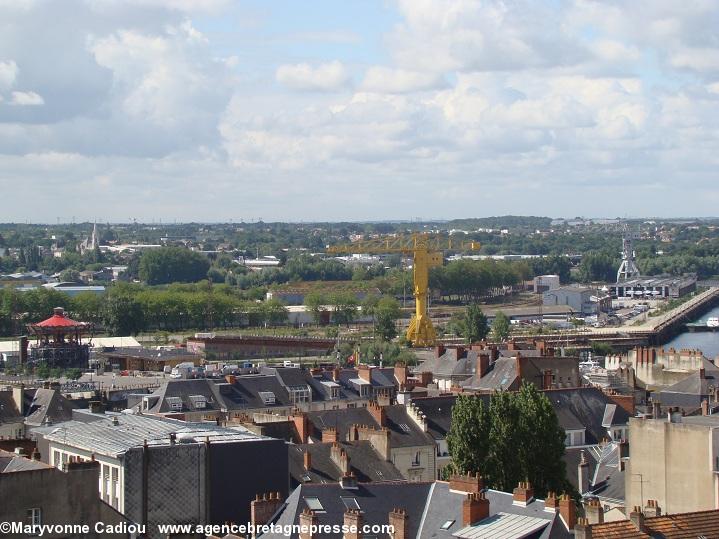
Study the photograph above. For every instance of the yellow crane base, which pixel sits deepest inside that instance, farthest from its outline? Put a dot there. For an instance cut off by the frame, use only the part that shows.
(421, 332)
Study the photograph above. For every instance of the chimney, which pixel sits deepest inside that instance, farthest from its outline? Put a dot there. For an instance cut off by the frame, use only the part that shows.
(263, 508)
(378, 413)
(551, 502)
(230, 379)
(583, 474)
(656, 409)
(475, 508)
(523, 494)
(519, 362)
(398, 522)
(702, 373)
(439, 351)
(568, 511)
(23, 344)
(583, 529)
(96, 407)
(18, 395)
(353, 524)
(705, 407)
(652, 509)
(348, 481)
(329, 435)
(339, 458)
(336, 373)
(637, 518)
(401, 373)
(593, 511)
(364, 373)
(173, 438)
(307, 460)
(482, 363)
(471, 483)
(35, 454)
(302, 424)
(308, 523)
(547, 379)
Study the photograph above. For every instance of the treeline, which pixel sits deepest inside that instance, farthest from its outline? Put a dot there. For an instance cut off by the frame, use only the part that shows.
(130, 309)
(470, 280)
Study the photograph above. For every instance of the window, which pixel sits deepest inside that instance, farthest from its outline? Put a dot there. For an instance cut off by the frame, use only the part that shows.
(447, 525)
(351, 503)
(34, 516)
(313, 503)
(175, 403)
(416, 460)
(267, 397)
(405, 427)
(198, 401)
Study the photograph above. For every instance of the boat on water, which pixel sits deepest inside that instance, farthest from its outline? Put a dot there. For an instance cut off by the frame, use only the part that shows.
(713, 322)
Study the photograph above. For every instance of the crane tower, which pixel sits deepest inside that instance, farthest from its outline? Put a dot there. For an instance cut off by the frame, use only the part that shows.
(628, 268)
(426, 251)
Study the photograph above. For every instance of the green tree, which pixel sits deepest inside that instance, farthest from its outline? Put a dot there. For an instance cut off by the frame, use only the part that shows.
(516, 438)
(468, 436)
(344, 307)
(123, 315)
(501, 326)
(472, 324)
(387, 312)
(173, 265)
(315, 303)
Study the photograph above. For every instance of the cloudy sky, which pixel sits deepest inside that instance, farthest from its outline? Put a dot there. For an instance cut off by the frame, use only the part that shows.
(357, 109)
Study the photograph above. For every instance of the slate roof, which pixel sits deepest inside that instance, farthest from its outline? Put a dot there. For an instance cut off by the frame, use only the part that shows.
(8, 409)
(576, 408)
(48, 406)
(704, 524)
(689, 392)
(397, 420)
(502, 375)
(606, 479)
(10, 462)
(364, 461)
(429, 507)
(446, 365)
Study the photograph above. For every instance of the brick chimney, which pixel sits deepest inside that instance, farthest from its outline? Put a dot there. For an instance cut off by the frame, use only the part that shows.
(583, 529)
(425, 378)
(469, 482)
(523, 494)
(339, 458)
(329, 435)
(637, 518)
(705, 407)
(348, 481)
(18, 395)
(401, 373)
(551, 502)
(364, 373)
(398, 521)
(262, 508)
(568, 511)
(652, 509)
(547, 379)
(336, 373)
(353, 523)
(520, 363)
(475, 508)
(378, 413)
(482, 363)
(583, 474)
(302, 424)
(439, 351)
(308, 521)
(593, 511)
(307, 456)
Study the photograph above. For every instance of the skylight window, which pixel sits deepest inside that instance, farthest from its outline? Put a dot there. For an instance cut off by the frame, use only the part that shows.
(447, 525)
(351, 503)
(313, 503)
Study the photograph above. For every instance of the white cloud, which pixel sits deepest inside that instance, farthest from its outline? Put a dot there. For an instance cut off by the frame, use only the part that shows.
(8, 74)
(382, 79)
(326, 77)
(26, 99)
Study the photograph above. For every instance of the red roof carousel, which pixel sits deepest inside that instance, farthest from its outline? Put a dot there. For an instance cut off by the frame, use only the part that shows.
(59, 341)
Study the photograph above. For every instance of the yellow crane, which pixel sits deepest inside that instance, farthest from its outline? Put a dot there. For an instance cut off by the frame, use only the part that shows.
(426, 250)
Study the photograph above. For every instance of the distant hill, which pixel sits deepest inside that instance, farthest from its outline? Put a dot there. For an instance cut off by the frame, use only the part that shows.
(502, 221)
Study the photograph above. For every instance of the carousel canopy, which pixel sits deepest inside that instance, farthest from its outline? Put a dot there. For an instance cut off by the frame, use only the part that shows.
(58, 321)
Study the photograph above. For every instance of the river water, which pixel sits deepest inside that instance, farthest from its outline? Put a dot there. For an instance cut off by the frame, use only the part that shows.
(707, 342)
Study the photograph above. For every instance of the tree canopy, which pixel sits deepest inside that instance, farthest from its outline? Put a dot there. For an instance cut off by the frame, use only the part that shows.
(173, 265)
(515, 438)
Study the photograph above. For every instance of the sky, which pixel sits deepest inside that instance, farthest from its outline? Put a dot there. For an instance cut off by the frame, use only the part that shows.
(287, 110)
